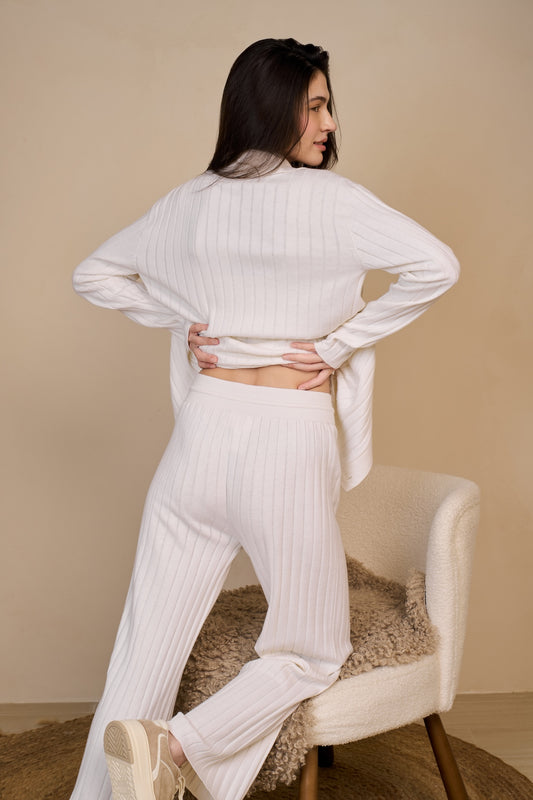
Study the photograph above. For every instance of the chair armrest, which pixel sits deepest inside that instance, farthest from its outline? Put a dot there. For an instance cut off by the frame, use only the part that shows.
(448, 572)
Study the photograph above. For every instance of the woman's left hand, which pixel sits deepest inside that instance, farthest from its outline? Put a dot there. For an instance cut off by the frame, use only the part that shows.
(309, 361)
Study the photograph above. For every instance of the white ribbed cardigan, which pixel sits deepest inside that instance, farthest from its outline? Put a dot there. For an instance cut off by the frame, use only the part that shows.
(270, 260)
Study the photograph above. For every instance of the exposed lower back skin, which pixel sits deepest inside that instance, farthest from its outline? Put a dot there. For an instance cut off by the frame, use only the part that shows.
(275, 376)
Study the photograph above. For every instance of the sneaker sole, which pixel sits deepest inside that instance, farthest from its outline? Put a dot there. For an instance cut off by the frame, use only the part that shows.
(127, 755)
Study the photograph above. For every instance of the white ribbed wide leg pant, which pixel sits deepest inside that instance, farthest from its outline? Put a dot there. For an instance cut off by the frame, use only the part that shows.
(252, 467)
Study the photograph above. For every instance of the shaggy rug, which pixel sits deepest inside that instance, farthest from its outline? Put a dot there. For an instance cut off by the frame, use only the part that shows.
(389, 626)
(399, 765)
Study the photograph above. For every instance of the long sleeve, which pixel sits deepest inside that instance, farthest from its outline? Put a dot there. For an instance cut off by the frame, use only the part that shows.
(386, 239)
(112, 278)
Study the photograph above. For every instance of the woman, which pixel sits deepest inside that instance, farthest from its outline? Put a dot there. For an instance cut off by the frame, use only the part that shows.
(259, 264)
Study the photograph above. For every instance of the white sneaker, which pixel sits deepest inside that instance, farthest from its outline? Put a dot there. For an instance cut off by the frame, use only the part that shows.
(139, 762)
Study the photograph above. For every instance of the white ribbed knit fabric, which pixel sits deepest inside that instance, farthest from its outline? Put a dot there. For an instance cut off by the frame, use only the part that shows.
(270, 260)
(264, 261)
(253, 467)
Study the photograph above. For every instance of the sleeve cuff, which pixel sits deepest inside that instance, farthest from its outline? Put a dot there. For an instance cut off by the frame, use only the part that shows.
(333, 352)
(181, 328)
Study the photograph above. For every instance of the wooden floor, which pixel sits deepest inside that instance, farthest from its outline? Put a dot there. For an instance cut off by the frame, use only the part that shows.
(18, 717)
(502, 724)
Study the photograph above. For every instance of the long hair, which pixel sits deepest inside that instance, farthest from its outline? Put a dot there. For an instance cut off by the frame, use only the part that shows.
(263, 102)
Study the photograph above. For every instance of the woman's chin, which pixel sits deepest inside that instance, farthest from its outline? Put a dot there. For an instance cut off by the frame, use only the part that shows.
(313, 159)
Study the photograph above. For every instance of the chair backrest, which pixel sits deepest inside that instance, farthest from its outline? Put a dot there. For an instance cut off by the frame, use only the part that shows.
(386, 521)
(400, 519)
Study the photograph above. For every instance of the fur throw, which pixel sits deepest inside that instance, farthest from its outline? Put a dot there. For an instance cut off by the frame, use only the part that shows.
(389, 625)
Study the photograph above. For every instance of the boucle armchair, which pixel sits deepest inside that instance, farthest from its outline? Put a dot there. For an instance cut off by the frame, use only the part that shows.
(396, 520)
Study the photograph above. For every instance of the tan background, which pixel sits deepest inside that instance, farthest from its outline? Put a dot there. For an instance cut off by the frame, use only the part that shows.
(111, 103)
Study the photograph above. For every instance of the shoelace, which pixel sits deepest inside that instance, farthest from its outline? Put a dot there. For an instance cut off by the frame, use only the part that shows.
(180, 786)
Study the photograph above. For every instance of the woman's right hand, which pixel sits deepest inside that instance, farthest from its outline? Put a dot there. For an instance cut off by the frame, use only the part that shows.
(205, 360)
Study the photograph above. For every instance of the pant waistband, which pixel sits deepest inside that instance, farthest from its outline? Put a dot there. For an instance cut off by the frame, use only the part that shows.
(263, 400)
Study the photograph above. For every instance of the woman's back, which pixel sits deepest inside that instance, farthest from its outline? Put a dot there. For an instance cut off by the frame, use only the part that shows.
(256, 258)
(269, 260)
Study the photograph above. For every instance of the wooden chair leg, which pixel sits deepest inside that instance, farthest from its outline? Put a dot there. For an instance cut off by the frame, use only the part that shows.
(308, 788)
(449, 771)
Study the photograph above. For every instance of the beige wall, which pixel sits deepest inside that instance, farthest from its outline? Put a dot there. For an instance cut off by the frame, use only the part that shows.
(112, 102)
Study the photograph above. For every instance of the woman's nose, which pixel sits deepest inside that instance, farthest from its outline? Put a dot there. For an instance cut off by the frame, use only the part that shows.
(329, 124)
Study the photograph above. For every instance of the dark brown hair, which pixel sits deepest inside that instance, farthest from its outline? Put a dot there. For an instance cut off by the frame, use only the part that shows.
(262, 105)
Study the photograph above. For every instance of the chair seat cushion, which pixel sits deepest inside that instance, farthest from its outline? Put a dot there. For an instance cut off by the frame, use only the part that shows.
(389, 626)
